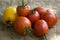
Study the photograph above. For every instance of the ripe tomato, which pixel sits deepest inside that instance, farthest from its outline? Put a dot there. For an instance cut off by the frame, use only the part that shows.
(33, 16)
(40, 27)
(22, 11)
(22, 25)
(50, 18)
(40, 10)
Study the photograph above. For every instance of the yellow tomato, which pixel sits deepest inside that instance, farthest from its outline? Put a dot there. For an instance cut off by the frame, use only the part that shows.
(9, 15)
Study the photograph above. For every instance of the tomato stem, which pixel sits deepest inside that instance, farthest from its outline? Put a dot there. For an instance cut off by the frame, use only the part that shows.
(43, 37)
(27, 30)
(23, 3)
(32, 11)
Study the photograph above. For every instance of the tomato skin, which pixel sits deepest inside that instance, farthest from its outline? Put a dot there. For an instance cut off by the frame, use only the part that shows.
(40, 10)
(22, 11)
(28, 7)
(21, 23)
(33, 17)
(40, 27)
(50, 18)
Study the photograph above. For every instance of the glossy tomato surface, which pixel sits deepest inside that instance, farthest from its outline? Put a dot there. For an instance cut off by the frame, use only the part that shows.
(21, 24)
(40, 10)
(33, 16)
(22, 11)
(50, 18)
(28, 7)
(40, 27)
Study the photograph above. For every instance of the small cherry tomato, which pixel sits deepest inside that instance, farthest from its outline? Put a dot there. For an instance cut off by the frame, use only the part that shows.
(33, 16)
(23, 10)
(50, 18)
(40, 28)
(40, 10)
(22, 25)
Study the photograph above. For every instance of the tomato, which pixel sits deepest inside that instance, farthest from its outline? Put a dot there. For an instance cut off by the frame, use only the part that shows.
(23, 10)
(40, 10)
(40, 27)
(50, 18)
(22, 25)
(33, 16)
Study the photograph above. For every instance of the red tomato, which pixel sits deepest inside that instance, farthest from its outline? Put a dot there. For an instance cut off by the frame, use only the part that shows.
(40, 27)
(40, 10)
(22, 25)
(50, 18)
(22, 11)
(33, 16)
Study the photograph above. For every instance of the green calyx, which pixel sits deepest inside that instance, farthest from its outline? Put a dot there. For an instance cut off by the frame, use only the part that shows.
(43, 37)
(27, 30)
(32, 11)
(23, 4)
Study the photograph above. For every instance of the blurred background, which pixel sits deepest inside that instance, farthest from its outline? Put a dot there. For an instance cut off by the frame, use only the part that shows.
(49, 4)
(55, 4)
